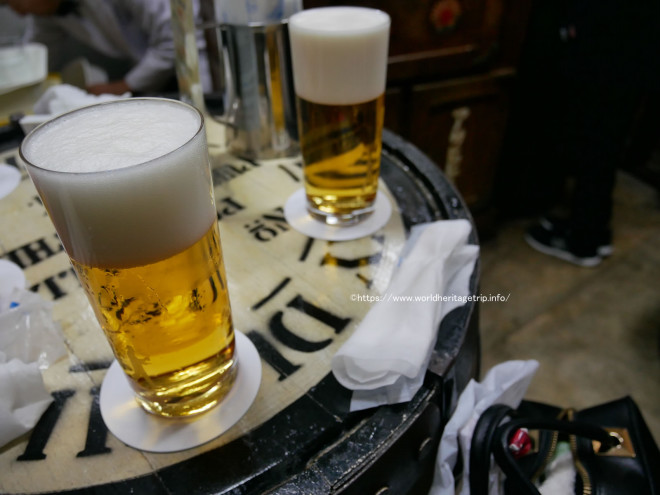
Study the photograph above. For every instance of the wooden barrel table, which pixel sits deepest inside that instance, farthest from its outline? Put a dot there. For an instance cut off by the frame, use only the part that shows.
(297, 300)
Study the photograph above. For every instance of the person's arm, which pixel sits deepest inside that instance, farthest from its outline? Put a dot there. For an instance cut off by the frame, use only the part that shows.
(157, 65)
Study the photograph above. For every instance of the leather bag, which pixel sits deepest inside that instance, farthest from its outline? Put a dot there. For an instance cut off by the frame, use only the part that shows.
(612, 448)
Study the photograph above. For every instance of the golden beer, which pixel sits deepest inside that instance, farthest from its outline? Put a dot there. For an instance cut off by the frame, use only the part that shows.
(339, 59)
(128, 187)
(341, 148)
(169, 325)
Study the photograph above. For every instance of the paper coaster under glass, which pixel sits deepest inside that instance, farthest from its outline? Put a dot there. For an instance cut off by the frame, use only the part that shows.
(137, 428)
(295, 212)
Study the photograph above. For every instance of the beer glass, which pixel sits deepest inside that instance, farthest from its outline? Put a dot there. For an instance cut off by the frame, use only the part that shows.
(339, 57)
(127, 185)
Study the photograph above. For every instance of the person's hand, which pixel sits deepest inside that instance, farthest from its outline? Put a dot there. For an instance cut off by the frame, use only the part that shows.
(112, 88)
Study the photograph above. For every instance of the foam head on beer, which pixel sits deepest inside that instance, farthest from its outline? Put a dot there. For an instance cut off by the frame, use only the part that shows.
(340, 57)
(121, 165)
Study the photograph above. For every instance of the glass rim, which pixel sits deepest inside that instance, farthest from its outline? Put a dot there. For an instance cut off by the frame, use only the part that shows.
(141, 164)
(294, 20)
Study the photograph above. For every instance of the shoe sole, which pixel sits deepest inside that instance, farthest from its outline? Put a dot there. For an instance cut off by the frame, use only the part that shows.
(603, 251)
(563, 255)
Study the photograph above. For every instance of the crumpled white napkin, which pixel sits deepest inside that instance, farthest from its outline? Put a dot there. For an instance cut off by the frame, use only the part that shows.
(29, 342)
(65, 97)
(59, 99)
(385, 359)
(28, 331)
(505, 383)
(23, 397)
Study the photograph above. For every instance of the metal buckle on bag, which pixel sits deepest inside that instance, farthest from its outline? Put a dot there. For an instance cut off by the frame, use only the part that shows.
(625, 447)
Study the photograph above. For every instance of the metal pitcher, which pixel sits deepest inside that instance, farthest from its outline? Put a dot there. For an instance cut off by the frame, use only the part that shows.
(250, 69)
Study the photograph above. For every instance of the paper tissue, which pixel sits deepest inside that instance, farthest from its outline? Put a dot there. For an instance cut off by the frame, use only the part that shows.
(30, 341)
(385, 359)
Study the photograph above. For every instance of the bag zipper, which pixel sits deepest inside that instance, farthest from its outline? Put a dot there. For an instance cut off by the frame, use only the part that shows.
(579, 467)
(548, 456)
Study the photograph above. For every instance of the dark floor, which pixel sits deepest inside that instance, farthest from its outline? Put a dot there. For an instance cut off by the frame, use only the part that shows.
(594, 331)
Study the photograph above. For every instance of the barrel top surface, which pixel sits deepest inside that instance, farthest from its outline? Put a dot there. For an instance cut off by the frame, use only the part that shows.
(294, 297)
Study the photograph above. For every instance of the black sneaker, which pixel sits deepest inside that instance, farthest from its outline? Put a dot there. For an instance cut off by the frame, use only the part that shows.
(560, 245)
(559, 226)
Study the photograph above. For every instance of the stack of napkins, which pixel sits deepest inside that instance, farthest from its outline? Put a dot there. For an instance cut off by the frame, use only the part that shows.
(385, 359)
(30, 341)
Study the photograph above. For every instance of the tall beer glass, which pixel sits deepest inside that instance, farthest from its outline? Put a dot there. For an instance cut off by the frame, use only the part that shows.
(128, 187)
(339, 57)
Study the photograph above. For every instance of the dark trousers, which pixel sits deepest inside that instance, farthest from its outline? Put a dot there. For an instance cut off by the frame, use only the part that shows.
(584, 68)
(587, 147)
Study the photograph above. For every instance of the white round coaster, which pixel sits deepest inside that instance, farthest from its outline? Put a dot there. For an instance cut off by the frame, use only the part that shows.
(10, 177)
(295, 212)
(137, 428)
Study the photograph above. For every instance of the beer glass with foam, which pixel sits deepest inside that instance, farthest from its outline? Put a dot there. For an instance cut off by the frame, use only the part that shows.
(339, 57)
(128, 187)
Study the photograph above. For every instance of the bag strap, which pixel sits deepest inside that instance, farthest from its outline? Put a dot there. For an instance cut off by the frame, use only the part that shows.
(481, 446)
(511, 468)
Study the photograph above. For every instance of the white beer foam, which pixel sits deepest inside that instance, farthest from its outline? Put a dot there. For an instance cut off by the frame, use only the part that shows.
(84, 166)
(104, 138)
(339, 54)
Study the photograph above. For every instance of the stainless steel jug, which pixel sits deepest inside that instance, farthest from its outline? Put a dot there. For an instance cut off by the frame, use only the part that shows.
(250, 69)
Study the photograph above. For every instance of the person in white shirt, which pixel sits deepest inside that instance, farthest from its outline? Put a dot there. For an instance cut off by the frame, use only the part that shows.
(130, 39)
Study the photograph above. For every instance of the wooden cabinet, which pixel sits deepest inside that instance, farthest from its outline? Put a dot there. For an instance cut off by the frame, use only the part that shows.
(460, 124)
(451, 63)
